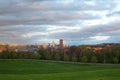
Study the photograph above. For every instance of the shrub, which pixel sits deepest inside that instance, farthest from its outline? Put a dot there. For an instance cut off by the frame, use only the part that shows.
(94, 59)
(66, 57)
(84, 59)
(74, 59)
(36, 56)
(57, 56)
(48, 56)
(115, 60)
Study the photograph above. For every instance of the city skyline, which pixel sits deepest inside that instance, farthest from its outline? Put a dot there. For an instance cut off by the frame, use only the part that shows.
(75, 21)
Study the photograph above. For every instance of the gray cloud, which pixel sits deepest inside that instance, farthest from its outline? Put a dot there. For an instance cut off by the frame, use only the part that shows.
(31, 21)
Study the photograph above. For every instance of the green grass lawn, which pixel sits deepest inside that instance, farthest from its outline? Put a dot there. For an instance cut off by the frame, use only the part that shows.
(45, 70)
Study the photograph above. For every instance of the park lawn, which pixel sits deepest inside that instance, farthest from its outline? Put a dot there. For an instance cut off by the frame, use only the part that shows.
(46, 70)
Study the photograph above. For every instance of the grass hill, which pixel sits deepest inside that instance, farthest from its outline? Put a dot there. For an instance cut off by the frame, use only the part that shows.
(46, 70)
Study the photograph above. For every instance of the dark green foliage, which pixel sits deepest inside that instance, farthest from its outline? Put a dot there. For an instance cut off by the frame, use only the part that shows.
(48, 56)
(36, 56)
(74, 53)
(74, 58)
(42, 53)
(57, 56)
(66, 57)
(84, 59)
(115, 60)
(94, 59)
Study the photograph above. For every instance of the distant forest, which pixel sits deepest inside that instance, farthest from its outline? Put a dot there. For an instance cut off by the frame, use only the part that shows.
(72, 53)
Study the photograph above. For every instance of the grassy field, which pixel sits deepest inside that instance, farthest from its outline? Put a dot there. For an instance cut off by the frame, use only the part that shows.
(45, 70)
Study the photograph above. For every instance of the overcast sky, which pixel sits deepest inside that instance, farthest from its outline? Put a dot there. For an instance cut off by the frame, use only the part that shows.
(75, 21)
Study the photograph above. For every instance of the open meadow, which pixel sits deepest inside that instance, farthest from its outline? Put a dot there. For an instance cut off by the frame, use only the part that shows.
(46, 70)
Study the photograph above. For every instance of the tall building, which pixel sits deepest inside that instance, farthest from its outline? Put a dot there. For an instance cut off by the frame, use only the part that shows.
(61, 44)
(37, 45)
(53, 43)
(44, 46)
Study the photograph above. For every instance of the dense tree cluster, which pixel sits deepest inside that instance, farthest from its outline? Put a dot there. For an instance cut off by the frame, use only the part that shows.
(73, 53)
(19, 55)
(83, 54)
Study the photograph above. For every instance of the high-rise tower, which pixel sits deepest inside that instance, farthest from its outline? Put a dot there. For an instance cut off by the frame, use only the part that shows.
(44, 46)
(53, 43)
(61, 43)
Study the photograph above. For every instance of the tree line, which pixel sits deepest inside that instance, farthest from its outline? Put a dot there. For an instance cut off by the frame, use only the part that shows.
(83, 54)
(73, 53)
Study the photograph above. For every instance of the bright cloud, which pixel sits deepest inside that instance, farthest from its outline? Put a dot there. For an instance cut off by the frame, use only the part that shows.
(75, 21)
(100, 38)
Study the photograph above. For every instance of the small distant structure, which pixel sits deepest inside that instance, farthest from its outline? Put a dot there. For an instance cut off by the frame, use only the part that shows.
(61, 44)
(44, 46)
(33, 48)
(98, 49)
(53, 44)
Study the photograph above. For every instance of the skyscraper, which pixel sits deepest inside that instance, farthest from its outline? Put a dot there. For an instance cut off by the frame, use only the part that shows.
(53, 43)
(61, 44)
(44, 45)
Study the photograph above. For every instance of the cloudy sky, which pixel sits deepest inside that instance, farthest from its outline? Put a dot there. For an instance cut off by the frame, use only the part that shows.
(75, 21)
